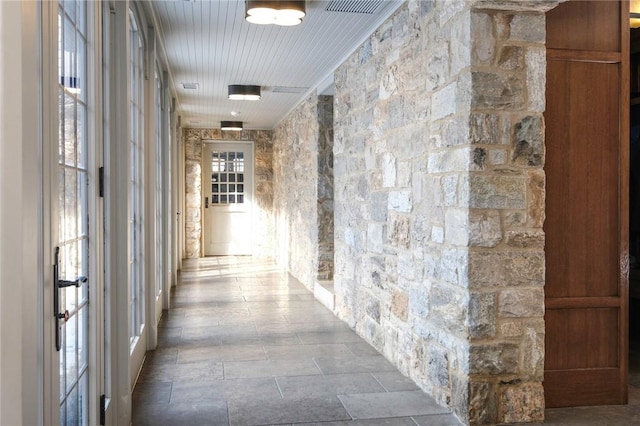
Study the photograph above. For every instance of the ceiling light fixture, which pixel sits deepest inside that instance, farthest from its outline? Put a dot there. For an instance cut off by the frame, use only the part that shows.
(264, 12)
(231, 125)
(240, 92)
(634, 13)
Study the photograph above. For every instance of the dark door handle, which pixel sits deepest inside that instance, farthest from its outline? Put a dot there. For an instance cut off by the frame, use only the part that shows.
(57, 285)
(206, 202)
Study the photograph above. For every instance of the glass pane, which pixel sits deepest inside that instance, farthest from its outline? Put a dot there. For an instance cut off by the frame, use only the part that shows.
(215, 199)
(71, 333)
(232, 199)
(70, 205)
(61, 99)
(240, 177)
(232, 188)
(223, 188)
(223, 177)
(232, 177)
(83, 337)
(240, 188)
(232, 156)
(80, 82)
(83, 400)
(214, 188)
(82, 21)
(240, 198)
(81, 129)
(223, 199)
(214, 177)
(239, 155)
(69, 124)
(72, 409)
(63, 367)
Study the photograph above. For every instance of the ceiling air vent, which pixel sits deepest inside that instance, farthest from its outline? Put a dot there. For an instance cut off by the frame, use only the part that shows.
(354, 6)
(190, 86)
(286, 89)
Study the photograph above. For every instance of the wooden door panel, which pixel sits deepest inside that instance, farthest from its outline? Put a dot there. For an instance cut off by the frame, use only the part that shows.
(586, 224)
(582, 119)
(585, 25)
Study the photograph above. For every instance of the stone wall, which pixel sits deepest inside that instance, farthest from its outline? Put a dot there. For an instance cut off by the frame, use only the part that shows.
(262, 217)
(295, 191)
(439, 195)
(325, 188)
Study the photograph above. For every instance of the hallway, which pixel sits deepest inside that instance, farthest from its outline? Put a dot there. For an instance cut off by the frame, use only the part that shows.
(246, 344)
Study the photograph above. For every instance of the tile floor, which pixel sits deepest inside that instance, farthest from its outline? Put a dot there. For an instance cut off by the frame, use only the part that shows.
(246, 344)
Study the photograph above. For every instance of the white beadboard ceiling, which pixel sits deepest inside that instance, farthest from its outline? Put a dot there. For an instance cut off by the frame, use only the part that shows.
(209, 43)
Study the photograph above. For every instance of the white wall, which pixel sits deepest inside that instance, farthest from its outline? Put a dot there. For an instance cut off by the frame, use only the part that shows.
(20, 355)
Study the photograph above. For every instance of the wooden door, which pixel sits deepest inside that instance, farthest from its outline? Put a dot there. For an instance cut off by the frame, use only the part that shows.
(587, 139)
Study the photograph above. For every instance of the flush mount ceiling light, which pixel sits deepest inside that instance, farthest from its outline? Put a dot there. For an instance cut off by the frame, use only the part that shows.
(263, 12)
(240, 92)
(634, 13)
(231, 125)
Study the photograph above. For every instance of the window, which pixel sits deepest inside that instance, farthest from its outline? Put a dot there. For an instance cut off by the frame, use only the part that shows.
(136, 184)
(159, 197)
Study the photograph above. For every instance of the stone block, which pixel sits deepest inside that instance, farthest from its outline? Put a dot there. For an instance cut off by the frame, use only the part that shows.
(419, 301)
(448, 308)
(438, 365)
(400, 305)
(388, 166)
(372, 308)
(497, 157)
(494, 358)
(399, 235)
(443, 102)
(457, 227)
(451, 160)
(400, 201)
(521, 303)
(437, 234)
(376, 237)
(378, 205)
(528, 27)
(485, 228)
(505, 269)
(526, 238)
(484, 128)
(482, 406)
(521, 402)
(528, 149)
(536, 207)
(497, 91)
(483, 42)
(482, 315)
(536, 63)
(497, 192)
(450, 190)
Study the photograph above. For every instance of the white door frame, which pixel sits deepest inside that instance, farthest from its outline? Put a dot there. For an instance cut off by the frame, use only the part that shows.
(49, 99)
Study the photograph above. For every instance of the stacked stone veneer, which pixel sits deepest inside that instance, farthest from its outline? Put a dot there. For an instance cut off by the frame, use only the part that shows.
(303, 190)
(262, 213)
(439, 195)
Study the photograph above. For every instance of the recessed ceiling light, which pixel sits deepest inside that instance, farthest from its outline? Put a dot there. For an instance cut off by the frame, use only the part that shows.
(243, 92)
(235, 113)
(190, 86)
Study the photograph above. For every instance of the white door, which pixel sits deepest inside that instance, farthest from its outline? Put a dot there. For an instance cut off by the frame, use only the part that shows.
(227, 190)
(72, 375)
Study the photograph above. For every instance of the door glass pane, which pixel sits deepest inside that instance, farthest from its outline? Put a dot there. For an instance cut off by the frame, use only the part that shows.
(73, 220)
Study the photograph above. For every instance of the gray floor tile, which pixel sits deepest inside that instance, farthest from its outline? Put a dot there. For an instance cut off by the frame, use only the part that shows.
(394, 381)
(151, 393)
(213, 413)
(221, 353)
(182, 372)
(234, 370)
(397, 421)
(437, 420)
(279, 411)
(362, 348)
(161, 356)
(305, 351)
(229, 390)
(335, 384)
(353, 364)
(315, 337)
(390, 404)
